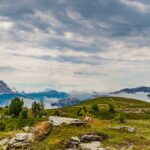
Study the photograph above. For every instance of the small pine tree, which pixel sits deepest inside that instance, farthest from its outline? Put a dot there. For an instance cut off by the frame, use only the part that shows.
(42, 104)
(34, 108)
(15, 107)
(95, 108)
(81, 111)
(37, 108)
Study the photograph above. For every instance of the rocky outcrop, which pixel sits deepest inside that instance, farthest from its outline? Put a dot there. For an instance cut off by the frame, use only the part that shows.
(23, 141)
(20, 140)
(88, 141)
(41, 130)
(57, 121)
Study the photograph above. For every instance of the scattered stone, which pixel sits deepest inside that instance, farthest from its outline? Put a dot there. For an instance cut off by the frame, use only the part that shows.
(88, 141)
(20, 144)
(20, 140)
(95, 145)
(88, 119)
(125, 129)
(12, 141)
(89, 137)
(23, 141)
(21, 136)
(73, 142)
(4, 141)
(57, 121)
(75, 139)
(27, 129)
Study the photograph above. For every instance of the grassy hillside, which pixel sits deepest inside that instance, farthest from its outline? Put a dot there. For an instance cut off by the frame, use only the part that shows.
(129, 107)
(136, 114)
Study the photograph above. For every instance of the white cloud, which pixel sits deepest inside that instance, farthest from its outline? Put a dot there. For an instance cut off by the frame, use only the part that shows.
(137, 5)
(71, 46)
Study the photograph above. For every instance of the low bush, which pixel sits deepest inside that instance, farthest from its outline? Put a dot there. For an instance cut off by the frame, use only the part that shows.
(2, 126)
(111, 108)
(24, 114)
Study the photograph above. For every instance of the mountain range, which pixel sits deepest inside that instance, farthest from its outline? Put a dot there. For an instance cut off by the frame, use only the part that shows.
(53, 98)
(141, 93)
(134, 90)
(6, 94)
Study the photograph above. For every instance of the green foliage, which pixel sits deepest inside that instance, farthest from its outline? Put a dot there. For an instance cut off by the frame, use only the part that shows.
(38, 109)
(81, 111)
(15, 107)
(111, 108)
(35, 108)
(57, 113)
(6, 112)
(95, 108)
(24, 114)
(2, 126)
(42, 104)
(120, 117)
(42, 113)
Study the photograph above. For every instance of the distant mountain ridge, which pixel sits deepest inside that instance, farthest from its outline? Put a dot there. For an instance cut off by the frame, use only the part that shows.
(134, 90)
(6, 94)
(48, 94)
(4, 89)
(53, 98)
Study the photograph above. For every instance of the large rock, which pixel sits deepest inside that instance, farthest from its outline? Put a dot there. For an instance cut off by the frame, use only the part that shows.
(41, 130)
(88, 119)
(24, 140)
(73, 143)
(27, 129)
(125, 129)
(90, 146)
(4, 141)
(18, 141)
(88, 141)
(89, 137)
(21, 140)
(57, 121)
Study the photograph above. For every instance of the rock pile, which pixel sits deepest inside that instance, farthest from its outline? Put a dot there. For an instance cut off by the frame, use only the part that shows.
(88, 141)
(20, 140)
(23, 141)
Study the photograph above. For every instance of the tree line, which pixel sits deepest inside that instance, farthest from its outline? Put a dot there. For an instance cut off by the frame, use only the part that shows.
(17, 109)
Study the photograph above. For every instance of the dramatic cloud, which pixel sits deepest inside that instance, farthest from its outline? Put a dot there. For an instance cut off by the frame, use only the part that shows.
(97, 45)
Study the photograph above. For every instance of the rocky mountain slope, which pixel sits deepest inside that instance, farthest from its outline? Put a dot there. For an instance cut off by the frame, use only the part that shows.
(4, 89)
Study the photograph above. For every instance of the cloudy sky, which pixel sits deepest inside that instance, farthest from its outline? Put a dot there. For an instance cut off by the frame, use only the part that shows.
(98, 45)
